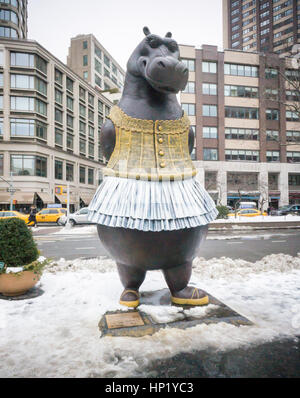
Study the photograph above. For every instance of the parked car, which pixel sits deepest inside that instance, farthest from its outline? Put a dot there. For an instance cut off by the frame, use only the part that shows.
(248, 213)
(13, 214)
(283, 211)
(50, 215)
(79, 217)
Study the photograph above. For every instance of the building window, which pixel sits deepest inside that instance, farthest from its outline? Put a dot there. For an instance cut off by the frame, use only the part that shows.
(291, 136)
(1, 101)
(209, 89)
(189, 88)
(272, 135)
(98, 52)
(69, 172)
(82, 127)
(41, 86)
(22, 103)
(22, 128)
(58, 96)
(241, 70)
(70, 141)
(82, 110)
(1, 79)
(41, 130)
(28, 165)
(81, 93)
(69, 84)
(82, 146)
(8, 32)
(58, 137)
(210, 132)
(22, 59)
(85, 60)
(58, 116)
(210, 110)
(293, 157)
(292, 116)
(91, 99)
(82, 175)
(189, 63)
(98, 66)
(91, 116)
(294, 179)
(106, 61)
(241, 134)
(272, 114)
(271, 94)
(91, 150)
(273, 156)
(100, 107)
(70, 103)
(70, 121)
(98, 80)
(241, 113)
(91, 131)
(241, 155)
(22, 81)
(58, 170)
(91, 176)
(241, 91)
(209, 67)
(271, 73)
(41, 64)
(1, 127)
(85, 45)
(85, 75)
(292, 95)
(58, 76)
(189, 109)
(210, 154)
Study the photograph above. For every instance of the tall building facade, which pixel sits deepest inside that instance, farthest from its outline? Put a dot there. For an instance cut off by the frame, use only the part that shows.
(90, 60)
(247, 141)
(261, 25)
(13, 19)
(50, 122)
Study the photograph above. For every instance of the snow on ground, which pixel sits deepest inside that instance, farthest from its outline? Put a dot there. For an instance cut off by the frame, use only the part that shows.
(56, 334)
(274, 219)
(86, 230)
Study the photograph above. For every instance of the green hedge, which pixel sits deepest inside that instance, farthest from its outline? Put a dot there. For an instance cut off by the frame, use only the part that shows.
(17, 247)
(223, 211)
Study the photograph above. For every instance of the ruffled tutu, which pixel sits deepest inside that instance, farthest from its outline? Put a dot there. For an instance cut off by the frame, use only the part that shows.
(151, 205)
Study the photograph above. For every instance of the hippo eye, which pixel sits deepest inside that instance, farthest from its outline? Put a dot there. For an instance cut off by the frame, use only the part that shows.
(153, 42)
(173, 46)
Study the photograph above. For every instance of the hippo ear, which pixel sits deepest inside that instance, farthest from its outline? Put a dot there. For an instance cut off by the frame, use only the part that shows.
(169, 34)
(146, 31)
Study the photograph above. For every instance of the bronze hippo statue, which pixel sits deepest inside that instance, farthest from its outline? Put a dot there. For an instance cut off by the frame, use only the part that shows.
(151, 211)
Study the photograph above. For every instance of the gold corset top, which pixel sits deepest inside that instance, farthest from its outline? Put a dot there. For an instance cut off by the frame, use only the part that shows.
(150, 150)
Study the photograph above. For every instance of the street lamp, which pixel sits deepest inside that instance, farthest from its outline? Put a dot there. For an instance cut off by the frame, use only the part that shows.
(11, 189)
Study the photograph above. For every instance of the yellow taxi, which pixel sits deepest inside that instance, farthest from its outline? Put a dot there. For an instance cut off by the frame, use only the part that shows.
(248, 213)
(13, 214)
(50, 215)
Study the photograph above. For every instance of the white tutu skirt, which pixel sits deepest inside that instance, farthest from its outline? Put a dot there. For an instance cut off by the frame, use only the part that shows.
(151, 205)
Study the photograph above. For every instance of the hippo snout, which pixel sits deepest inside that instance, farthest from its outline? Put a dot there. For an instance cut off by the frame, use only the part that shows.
(167, 74)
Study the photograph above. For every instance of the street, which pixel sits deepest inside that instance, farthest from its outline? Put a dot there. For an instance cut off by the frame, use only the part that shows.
(249, 246)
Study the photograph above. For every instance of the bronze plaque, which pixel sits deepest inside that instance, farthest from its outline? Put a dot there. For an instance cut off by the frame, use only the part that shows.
(124, 320)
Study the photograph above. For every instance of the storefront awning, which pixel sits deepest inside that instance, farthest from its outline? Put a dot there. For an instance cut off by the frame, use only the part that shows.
(63, 199)
(45, 197)
(4, 198)
(86, 197)
(24, 198)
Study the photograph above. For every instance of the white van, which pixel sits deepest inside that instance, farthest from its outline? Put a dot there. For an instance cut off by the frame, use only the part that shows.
(247, 205)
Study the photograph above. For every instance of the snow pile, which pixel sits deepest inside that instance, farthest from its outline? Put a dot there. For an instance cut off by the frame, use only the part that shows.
(56, 334)
(275, 219)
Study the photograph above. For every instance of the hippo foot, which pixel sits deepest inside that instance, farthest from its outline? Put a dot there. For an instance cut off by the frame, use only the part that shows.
(190, 296)
(130, 298)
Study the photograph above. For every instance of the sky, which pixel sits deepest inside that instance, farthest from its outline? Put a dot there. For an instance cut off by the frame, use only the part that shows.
(118, 24)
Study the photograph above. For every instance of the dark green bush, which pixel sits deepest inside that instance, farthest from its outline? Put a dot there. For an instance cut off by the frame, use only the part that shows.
(17, 247)
(223, 211)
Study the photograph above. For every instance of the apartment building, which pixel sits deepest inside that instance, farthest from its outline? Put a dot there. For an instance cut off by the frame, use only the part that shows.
(13, 19)
(50, 121)
(90, 60)
(247, 142)
(261, 25)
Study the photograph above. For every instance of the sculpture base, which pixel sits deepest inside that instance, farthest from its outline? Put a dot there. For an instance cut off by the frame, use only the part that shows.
(137, 323)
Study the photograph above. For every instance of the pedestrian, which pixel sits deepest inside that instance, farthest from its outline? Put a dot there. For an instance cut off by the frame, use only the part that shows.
(32, 216)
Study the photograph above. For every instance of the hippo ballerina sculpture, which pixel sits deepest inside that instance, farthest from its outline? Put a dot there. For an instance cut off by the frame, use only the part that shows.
(151, 211)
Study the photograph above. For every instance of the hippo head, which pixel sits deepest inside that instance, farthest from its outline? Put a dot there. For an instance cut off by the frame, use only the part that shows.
(156, 59)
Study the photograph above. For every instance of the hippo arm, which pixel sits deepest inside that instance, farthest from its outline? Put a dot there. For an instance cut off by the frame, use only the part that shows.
(108, 138)
(191, 140)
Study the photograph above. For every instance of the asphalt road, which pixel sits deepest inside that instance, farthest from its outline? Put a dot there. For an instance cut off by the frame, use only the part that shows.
(250, 245)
